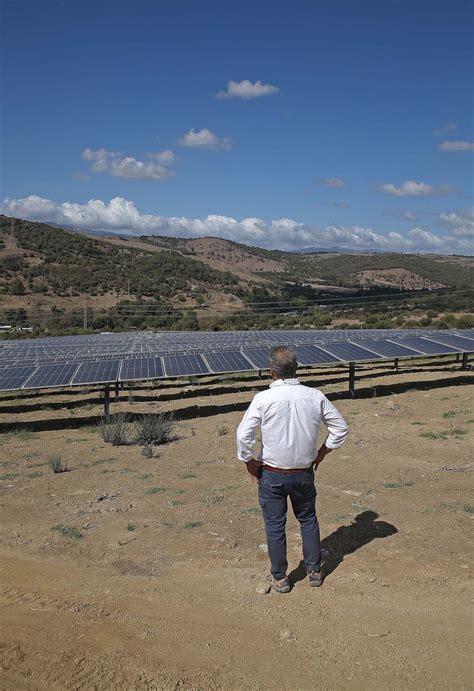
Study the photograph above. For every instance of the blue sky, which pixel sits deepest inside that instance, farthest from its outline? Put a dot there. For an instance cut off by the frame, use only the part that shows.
(281, 124)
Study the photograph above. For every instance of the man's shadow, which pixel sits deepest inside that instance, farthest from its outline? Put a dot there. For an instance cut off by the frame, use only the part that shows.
(346, 540)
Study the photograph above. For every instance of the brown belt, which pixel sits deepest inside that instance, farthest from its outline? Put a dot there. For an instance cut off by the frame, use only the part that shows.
(285, 471)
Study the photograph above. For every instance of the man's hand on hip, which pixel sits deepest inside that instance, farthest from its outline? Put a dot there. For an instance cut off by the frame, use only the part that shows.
(253, 467)
(322, 453)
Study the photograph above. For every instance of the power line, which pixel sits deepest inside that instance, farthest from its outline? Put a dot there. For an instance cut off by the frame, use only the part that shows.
(143, 310)
(135, 311)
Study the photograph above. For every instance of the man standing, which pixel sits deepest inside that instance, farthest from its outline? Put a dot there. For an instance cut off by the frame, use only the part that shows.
(289, 415)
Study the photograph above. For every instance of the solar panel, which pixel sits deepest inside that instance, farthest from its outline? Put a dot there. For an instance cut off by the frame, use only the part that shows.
(47, 376)
(182, 365)
(102, 372)
(14, 377)
(350, 352)
(258, 356)
(312, 355)
(141, 369)
(465, 344)
(389, 349)
(140, 353)
(228, 361)
(426, 347)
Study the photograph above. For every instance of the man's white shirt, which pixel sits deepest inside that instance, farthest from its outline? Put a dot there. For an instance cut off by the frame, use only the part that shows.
(289, 415)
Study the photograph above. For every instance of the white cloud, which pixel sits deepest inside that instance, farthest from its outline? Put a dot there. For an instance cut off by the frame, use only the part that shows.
(154, 167)
(121, 215)
(461, 222)
(166, 157)
(410, 188)
(425, 240)
(247, 89)
(334, 183)
(449, 127)
(456, 146)
(204, 139)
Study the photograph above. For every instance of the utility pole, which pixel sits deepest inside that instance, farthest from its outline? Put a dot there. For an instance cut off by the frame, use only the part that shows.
(85, 318)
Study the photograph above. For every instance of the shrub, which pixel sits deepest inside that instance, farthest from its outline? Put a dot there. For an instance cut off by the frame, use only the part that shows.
(193, 524)
(156, 490)
(68, 531)
(466, 322)
(116, 430)
(153, 430)
(147, 450)
(57, 464)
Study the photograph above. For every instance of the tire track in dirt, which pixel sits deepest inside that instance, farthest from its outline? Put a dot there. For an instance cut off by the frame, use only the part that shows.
(59, 660)
(22, 664)
(34, 600)
(27, 668)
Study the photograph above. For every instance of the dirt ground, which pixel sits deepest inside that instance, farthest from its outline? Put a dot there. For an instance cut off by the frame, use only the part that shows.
(141, 573)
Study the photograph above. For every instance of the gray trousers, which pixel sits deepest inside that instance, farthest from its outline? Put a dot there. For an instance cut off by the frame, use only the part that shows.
(273, 492)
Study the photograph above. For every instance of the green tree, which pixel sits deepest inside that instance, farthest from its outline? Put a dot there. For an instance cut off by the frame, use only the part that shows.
(17, 287)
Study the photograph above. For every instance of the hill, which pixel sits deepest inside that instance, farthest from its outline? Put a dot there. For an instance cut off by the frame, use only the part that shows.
(49, 273)
(38, 259)
(247, 263)
(330, 268)
(425, 271)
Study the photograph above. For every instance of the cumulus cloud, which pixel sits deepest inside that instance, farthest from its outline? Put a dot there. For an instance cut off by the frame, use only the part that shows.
(120, 215)
(425, 240)
(204, 139)
(410, 188)
(153, 167)
(456, 146)
(461, 223)
(449, 127)
(247, 90)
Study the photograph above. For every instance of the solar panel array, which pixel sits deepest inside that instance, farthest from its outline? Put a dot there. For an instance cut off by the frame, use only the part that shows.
(140, 356)
(147, 344)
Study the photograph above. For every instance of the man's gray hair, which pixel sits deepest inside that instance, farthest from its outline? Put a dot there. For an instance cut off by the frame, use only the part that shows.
(283, 362)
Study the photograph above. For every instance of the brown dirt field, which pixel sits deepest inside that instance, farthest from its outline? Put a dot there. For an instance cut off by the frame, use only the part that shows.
(399, 278)
(335, 324)
(40, 304)
(226, 256)
(160, 590)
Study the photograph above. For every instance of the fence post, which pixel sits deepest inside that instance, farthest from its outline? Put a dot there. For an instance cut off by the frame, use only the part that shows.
(107, 402)
(352, 393)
